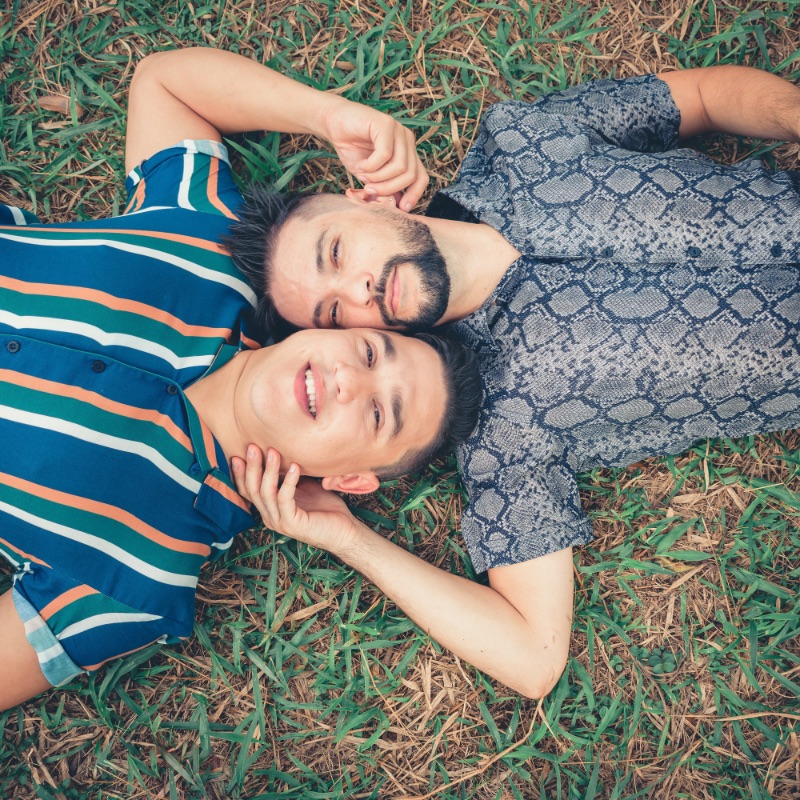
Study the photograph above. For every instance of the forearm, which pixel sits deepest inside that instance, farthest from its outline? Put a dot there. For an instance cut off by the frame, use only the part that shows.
(736, 100)
(234, 93)
(473, 621)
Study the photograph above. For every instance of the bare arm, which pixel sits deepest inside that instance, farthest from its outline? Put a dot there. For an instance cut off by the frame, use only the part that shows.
(201, 93)
(517, 629)
(19, 665)
(736, 100)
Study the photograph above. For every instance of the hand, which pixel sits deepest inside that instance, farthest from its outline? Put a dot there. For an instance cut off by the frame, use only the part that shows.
(300, 508)
(377, 149)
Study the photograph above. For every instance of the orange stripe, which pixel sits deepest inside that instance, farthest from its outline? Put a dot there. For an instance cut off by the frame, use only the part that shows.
(227, 492)
(114, 303)
(108, 511)
(251, 343)
(93, 667)
(65, 599)
(208, 444)
(211, 190)
(24, 555)
(193, 241)
(98, 401)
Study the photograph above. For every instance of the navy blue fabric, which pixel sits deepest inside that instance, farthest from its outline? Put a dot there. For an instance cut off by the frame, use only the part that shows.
(656, 302)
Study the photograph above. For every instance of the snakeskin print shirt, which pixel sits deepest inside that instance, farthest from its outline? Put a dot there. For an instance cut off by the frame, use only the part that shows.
(656, 302)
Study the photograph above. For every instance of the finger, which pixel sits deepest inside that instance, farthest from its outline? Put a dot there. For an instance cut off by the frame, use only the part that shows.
(414, 192)
(394, 185)
(286, 501)
(396, 163)
(383, 146)
(238, 467)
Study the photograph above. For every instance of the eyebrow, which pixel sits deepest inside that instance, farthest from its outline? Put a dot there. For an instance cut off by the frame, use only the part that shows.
(316, 318)
(397, 413)
(389, 350)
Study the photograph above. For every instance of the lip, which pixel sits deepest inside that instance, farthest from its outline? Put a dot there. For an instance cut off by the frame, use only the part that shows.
(300, 393)
(394, 294)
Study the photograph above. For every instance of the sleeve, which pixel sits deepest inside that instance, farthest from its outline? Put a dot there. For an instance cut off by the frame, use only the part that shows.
(195, 175)
(524, 500)
(74, 628)
(11, 215)
(636, 114)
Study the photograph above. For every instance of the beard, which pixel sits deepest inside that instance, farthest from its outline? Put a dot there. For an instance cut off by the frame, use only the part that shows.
(428, 262)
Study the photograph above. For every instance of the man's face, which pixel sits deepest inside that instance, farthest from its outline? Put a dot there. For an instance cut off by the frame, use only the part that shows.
(338, 402)
(342, 263)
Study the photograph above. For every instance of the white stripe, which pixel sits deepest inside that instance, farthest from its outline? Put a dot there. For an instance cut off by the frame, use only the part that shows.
(34, 624)
(85, 434)
(110, 549)
(103, 619)
(186, 181)
(105, 338)
(222, 545)
(19, 217)
(185, 264)
(56, 651)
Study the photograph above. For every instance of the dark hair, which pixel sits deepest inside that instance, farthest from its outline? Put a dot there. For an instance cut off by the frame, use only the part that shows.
(250, 242)
(462, 404)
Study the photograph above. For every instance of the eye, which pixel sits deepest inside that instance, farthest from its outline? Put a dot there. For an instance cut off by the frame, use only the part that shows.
(334, 316)
(370, 356)
(377, 413)
(335, 253)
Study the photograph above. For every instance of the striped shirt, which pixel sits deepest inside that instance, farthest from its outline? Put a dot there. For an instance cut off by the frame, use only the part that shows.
(113, 493)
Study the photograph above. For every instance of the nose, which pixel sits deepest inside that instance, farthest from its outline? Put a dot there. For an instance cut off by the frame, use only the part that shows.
(359, 291)
(348, 381)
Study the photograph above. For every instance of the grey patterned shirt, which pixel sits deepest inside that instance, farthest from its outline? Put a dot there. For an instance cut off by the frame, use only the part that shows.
(656, 302)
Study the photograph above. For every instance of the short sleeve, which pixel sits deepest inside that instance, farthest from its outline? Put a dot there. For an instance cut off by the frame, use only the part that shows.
(74, 628)
(194, 175)
(11, 215)
(636, 114)
(524, 500)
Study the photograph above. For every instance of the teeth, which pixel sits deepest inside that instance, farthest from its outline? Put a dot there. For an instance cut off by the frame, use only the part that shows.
(311, 392)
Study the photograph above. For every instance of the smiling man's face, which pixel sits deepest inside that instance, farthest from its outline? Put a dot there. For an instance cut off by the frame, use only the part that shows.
(338, 402)
(342, 263)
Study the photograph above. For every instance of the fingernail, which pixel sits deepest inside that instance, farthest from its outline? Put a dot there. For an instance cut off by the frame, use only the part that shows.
(293, 468)
(362, 178)
(270, 456)
(251, 452)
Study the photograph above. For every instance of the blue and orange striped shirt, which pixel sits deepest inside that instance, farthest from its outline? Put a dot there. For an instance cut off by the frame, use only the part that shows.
(113, 493)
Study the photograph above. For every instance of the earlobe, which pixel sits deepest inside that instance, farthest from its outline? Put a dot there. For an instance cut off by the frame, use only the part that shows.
(362, 196)
(355, 483)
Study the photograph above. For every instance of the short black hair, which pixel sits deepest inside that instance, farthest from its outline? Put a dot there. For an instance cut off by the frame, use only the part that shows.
(250, 243)
(464, 393)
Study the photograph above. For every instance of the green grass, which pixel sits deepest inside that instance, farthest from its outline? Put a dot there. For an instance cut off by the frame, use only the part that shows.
(302, 680)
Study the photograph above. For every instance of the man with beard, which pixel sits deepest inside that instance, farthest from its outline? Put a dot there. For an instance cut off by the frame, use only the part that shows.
(625, 296)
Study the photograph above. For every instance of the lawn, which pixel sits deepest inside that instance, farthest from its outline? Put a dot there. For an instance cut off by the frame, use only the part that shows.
(304, 681)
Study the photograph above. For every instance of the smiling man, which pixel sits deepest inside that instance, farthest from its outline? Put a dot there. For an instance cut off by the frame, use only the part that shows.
(131, 380)
(625, 296)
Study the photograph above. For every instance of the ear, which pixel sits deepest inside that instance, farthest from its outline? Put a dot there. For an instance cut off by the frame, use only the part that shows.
(360, 196)
(355, 483)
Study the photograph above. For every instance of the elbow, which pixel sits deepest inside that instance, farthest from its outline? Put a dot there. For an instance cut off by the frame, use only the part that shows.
(537, 683)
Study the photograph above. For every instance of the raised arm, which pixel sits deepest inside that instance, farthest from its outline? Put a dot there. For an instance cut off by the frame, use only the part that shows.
(201, 93)
(735, 100)
(517, 629)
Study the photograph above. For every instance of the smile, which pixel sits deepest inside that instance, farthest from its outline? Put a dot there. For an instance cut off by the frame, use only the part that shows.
(394, 293)
(309, 390)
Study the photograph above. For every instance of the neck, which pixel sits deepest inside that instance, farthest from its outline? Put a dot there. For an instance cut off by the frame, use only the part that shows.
(477, 257)
(213, 398)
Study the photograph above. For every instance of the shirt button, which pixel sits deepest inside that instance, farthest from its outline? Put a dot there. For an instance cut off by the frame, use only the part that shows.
(172, 389)
(195, 469)
(694, 252)
(13, 346)
(776, 251)
(98, 366)
(607, 252)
